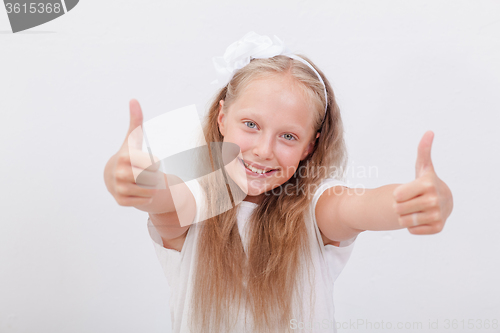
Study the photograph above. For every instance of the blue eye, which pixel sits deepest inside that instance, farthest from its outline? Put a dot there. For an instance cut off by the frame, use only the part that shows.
(251, 122)
(291, 137)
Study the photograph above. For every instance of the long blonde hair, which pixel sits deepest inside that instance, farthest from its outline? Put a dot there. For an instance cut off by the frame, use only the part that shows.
(265, 278)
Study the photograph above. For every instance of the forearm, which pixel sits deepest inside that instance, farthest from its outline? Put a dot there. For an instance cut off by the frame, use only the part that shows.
(422, 205)
(371, 209)
(168, 225)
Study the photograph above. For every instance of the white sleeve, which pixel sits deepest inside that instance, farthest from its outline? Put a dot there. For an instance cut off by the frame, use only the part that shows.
(170, 259)
(335, 256)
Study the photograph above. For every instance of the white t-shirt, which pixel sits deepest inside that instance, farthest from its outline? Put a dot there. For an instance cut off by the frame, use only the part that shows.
(328, 262)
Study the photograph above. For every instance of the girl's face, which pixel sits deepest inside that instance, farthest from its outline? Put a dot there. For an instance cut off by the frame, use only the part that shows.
(272, 123)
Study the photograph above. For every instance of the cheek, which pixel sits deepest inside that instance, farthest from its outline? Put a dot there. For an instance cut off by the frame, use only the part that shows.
(289, 157)
(241, 138)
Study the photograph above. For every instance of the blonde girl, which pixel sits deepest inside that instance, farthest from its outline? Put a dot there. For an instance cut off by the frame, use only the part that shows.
(268, 263)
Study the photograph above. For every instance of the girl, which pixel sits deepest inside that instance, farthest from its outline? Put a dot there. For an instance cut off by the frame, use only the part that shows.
(268, 263)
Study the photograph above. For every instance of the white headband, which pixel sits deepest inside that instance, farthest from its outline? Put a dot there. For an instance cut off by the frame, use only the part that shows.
(254, 46)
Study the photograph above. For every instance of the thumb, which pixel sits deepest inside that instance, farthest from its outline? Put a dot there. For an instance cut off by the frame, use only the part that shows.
(424, 162)
(134, 133)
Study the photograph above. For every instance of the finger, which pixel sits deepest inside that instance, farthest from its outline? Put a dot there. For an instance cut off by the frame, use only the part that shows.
(409, 190)
(426, 229)
(145, 179)
(424, 161)
(127, 174)
(148, 179)
(133, 201)
(145, 176)
(416, 204)
(134, 134)
(133, 190)
(139, 160)
(419, 218)
(142, 160)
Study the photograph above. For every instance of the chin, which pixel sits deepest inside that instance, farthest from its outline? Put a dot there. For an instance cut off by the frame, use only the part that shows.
(255, 191)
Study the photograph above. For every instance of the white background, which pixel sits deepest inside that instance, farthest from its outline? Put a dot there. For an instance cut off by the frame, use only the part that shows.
(73, 260)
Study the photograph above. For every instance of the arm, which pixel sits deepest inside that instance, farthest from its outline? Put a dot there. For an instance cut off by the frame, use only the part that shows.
(422, 205)
(160, 206)
(342, 213)
(172, 221)
(151, 192)
(172, 234)
(173, 225)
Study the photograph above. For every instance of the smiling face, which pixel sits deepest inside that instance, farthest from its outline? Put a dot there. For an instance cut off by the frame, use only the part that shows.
(272, 122)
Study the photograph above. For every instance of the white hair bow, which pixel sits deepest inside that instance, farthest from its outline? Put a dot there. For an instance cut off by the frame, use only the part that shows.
(253, 46)
(239, 54)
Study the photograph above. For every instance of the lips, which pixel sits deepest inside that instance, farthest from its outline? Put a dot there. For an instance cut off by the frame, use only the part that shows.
(251, 167)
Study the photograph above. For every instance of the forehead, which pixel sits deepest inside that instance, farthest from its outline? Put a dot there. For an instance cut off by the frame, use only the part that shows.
(282, 84)
(279, 91)
(278, 98)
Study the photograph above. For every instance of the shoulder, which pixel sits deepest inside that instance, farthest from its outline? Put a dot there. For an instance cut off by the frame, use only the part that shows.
(329, 211)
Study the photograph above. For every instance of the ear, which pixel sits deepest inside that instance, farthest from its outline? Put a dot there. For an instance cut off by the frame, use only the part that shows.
(221, 118)
(310, 147)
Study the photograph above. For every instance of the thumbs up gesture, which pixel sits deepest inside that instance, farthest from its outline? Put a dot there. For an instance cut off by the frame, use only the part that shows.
(423, 205)
(131, 176)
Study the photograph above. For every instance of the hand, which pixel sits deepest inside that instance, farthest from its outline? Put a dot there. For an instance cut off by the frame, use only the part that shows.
(424, 204)
(122, 171)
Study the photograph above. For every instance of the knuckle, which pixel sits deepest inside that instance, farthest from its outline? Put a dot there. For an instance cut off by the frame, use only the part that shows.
(432, 201)
(123, 157)
(121, 189)
(400, 208)
(428, 184)
(121, 173)
(396, 195)
(401, 221)
(433, 190)
(436, 216)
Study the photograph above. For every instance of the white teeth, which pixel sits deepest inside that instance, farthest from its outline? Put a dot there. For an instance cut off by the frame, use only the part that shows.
(259, 171)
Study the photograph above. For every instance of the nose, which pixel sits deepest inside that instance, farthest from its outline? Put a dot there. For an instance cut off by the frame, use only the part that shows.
(264, 148)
